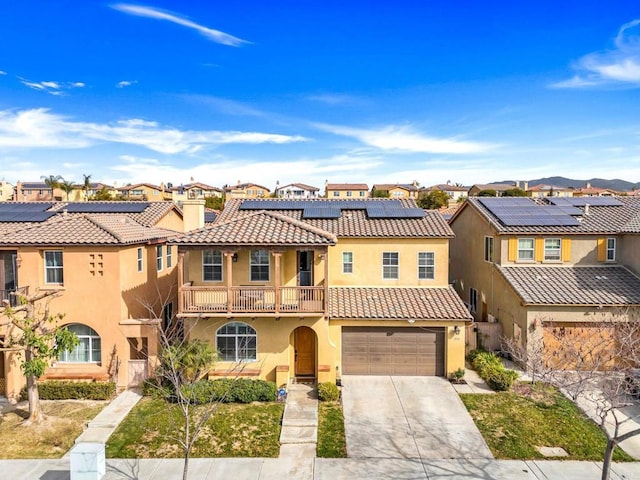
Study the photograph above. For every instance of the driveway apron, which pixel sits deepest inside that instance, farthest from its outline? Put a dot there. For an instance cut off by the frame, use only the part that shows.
(408, 417)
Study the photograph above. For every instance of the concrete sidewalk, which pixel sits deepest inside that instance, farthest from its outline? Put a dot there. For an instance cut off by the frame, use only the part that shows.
(325, 469)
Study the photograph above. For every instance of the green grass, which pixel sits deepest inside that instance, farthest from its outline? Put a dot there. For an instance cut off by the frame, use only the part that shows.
(235, 430)
(331, 440)
(514, 424)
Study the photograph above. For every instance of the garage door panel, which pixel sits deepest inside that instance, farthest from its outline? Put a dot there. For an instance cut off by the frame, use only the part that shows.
(392, 351)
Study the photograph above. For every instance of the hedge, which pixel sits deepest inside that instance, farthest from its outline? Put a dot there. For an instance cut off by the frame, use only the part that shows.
(490, 368)
(226, 390)
(68, 390)
(328, 392)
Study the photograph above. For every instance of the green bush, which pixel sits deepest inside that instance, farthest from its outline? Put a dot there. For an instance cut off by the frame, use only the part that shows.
(473, 354)
(328, 392)
(226, 390)
(67, 390)
(490, 368)
(501, 380)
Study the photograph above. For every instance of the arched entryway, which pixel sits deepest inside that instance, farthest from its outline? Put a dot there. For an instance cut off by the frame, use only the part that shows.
(304, 344)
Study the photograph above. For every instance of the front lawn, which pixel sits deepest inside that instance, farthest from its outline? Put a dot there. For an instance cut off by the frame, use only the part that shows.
(65, 421)
(514, 423)
(331, 440)
(235, 430)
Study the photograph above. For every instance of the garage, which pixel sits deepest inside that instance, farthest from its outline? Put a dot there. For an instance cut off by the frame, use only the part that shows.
(393, 351)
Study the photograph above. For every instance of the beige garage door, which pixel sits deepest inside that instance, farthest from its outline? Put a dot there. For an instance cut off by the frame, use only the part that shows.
(392, 351)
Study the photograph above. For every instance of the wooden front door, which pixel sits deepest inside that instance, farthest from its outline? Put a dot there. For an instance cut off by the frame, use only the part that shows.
(305, 351)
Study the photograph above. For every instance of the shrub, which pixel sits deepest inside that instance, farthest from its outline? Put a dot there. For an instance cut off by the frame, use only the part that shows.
(501, 380)
(328, 392)
(490, 368)
(226, 390)
(458, 375)
(473, 354)
(68, 390)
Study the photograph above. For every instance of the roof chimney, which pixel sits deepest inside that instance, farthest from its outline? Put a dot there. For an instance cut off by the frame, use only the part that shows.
(588, 184)
(525, 186)
(586, 209)
(192, 214)
(517, 183)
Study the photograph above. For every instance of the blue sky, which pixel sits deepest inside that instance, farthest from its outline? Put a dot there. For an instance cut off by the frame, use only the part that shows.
(303, 91)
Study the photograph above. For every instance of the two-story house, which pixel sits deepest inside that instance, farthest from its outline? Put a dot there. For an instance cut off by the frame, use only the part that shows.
(144, 191)
(455, 192)
(544, 190)
(535, 264)
(396, 190)
(108, 263)
(295, 290)
(36, 192)
(297, 190)
(346, 190)
(194, 190)
(82, 193)
(246, 190)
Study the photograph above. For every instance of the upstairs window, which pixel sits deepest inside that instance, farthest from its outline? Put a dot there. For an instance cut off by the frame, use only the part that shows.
(473, 300)
(53, 267)
(552, 249)
(611, 249)
(140, 259)
(347, 262)
(212, 265)
(362, 194)
(169, 256)
(426, 265)
(488, 249)
(259, 266)
(525, 250)
(390, 265)
(349, 194)
(159, 258)
(336, 194)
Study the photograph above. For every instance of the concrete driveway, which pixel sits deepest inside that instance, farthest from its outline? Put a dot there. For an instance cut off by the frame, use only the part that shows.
(408, 417)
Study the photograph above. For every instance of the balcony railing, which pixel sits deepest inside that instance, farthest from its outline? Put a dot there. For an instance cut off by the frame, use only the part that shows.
(9, 296)
(223, 300)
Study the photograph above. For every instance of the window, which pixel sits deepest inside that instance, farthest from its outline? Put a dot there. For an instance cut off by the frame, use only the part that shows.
(390, 265)
(611, 250)
(488, 249)
(53, 267)
(336, 194)
(525, 249)
(473, 300)
(169, 256)
(89, 348)
(140, 261)
(347, 262)
(137, 192)
(212, 265)
(349, 193)
(362, 194)
(237, 342)
(259, 266)
(552, 249)
(159, 258)
(426, 265)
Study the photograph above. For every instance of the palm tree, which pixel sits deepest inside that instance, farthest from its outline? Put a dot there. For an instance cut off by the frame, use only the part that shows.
(53, 182)
(67, 187)
(86, 185)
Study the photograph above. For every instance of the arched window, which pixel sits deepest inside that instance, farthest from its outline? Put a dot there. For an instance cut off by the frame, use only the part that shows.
(89, 348)
(237, 342)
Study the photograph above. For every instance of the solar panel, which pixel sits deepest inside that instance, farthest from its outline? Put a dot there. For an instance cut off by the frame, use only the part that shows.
(24, 206)
(25, 216)
(379, 211)
(516, 211)
(321, 212)
(582, 201)
(210, 217)
(107, 207)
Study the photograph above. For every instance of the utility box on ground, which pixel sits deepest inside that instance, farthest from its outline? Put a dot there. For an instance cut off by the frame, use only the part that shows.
(88, 461)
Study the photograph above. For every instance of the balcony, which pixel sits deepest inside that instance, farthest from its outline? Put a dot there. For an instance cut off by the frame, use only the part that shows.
(249, 300)
(8, 295)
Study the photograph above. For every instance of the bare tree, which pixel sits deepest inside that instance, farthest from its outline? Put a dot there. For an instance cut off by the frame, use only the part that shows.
(34, 333)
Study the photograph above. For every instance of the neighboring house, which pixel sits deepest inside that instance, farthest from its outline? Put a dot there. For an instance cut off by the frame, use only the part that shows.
(346, 190)
(79, 194)
(36, 192)
(499, 188)
(397, 190)
(246, 190)
(195, 190)
(107, 261)
(144, 191)
(537, 264)
(297, 190)
(308, 290)
(455, 192)
(543, 190)
(589, 191)
(6, 191)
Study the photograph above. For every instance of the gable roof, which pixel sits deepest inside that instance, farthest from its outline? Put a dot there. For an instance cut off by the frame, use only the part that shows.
(543, 187)
(446, 187)
(301, 186)
(199, 185)
(606, 286)
(355, 223)
(258, 228)
(138, 185)
(498, 187)
(346, 186)
(389, 303)
(390, 186)
(243, 186)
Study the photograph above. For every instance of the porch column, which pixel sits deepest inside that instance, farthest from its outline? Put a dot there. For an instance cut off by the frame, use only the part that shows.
(228, 260)
(276, 280)
(325, 257)
(180, 282)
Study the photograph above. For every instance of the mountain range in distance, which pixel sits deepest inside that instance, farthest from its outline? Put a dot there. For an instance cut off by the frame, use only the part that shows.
(615, 184)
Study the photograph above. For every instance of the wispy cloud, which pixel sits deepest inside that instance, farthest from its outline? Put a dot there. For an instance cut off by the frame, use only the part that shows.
(51, 87)
(38, 128)
(2, 72)
(335, 99)
(224, 105)
(126, 83)
(405, 139)
(617, 66)
(157, 14)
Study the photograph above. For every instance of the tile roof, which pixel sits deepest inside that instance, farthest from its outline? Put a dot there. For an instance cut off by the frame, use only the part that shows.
(498, 187)
(543, 187)
(445, 187)
(303, 186)
(242, 186)
(258, 228)
(633, 225)
(85, 229)
(355, 223)
(346, 186)
(189, 186)
(389, 303)
(613, 285)
(600, 220)
(391, 186)
(138, 185)
(150, 216)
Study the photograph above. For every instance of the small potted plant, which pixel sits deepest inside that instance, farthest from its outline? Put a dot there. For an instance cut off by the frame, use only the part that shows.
(457, 376)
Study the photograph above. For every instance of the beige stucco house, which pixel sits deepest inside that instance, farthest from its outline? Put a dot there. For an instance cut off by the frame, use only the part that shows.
(346, 190)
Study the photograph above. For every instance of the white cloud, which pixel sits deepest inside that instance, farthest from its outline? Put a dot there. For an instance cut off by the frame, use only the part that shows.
(38, 128)
(224, 105)
(617, 66)
(404, 139)
(2, 72)
(157, 14)
(335, 99)
(126, 83)
(51, 87)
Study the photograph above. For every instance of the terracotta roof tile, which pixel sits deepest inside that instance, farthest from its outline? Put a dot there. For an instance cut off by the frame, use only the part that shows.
(614, 285)
(347, 186)
(387, 303)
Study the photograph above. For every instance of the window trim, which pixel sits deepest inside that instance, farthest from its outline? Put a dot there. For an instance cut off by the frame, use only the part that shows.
(389, 265)
(54, 268)
(221, 264)
(251, 265)
(236, 335)
(169, 256)
(140, 259)
(473, 300)
(91, 338)
(612, 249)
(544, 250)
(159, 258)
(532, 250)
(427, 266)
(349, 263)
(489, 248)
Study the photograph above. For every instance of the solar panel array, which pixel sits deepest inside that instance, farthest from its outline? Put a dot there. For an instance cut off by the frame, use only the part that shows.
(106, 207)
(582, 201)
(333, 208)
(25, 212)
(515, 212)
